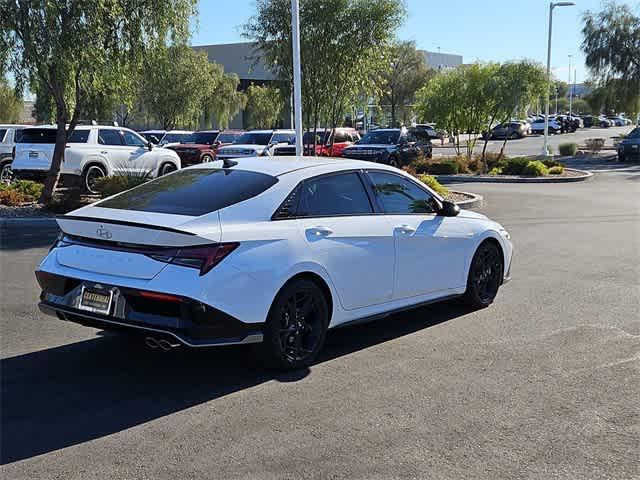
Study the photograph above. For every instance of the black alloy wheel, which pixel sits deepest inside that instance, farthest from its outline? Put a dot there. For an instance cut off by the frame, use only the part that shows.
(206, 158)
(393, 161)
(297, 325)
(6, 174)
(485, 276)
(167, 168)
(91, 175)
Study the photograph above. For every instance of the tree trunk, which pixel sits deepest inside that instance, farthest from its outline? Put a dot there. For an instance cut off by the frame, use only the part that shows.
(53, 176)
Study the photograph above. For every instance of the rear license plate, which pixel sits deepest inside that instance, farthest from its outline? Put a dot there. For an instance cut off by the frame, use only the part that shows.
(95, 300)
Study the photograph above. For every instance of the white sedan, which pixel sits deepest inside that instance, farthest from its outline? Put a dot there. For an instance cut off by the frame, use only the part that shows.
(270, 251)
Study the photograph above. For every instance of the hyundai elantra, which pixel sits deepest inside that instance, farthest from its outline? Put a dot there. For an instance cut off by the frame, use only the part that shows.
(272, 251)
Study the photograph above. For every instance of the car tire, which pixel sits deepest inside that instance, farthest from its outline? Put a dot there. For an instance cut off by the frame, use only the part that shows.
(166, 168)
(6, 174)
(89, 177)
(485, 276)
(206, 158)
(393, 161)
(296, 326)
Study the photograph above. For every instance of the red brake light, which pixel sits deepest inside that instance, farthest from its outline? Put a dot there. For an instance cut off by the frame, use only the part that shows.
(163, 297)
(205, 257)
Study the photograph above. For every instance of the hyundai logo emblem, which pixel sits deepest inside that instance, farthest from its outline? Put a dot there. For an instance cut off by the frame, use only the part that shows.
(104, 233)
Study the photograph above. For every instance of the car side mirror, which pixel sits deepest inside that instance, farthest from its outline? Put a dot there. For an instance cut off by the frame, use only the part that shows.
(449, 209)
(150, 145)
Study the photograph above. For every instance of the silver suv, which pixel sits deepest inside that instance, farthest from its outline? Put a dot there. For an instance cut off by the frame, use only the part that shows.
(9, 135)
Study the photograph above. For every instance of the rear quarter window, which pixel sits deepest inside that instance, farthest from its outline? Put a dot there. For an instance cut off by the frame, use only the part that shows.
(48, 135)
(193, 192)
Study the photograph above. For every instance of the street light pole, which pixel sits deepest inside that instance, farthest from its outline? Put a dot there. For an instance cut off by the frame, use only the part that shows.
(552, 5)
(570, 110)
(297, 86)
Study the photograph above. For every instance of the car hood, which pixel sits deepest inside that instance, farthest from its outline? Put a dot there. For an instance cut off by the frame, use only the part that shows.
(200, 146)
(370, 146)
(471, 214)
(240, 146)
(630, 141)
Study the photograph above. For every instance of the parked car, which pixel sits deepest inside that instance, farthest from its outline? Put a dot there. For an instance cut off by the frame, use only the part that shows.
(203, 145)
(274, 253)
(329, 142)
(257, 143)
(508, 130)
(174, 137)
(604, 122)
(617, 121)
(537, 127)
(394, 146)
(629, 147)
(92, 152)
(9, 135)
(154, 136)
(431, 131)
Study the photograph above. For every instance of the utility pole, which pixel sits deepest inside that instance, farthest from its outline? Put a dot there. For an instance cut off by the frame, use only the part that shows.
(570, 89)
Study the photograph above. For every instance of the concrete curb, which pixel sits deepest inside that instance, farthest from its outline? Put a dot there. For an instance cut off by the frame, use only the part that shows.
(497, 179)
(476, 201)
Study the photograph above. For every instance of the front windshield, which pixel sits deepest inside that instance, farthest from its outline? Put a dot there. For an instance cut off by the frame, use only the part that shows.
(385, 137)
(201, 138)
(174, 137)
(254, 138)
(635, 133)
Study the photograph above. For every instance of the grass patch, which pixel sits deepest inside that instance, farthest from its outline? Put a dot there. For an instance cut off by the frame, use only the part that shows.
(535, 168)
(556, 170)
(19, 192)
(568, 149)
(113, 184)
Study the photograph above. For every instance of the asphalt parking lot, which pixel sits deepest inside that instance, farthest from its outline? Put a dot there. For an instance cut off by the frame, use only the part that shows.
(532, 145)
(543, 384)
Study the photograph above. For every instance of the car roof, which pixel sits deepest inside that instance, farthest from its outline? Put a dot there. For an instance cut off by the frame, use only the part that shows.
(13, 125)
(387, 130)
(207, 131)
(281, 165)
(179, 131)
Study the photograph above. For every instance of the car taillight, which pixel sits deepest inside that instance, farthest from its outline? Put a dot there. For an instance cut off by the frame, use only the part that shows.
(203, 257)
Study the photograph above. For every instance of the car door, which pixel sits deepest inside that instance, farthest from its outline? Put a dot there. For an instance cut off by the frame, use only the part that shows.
(111, 147)
(141, 160)
(431, 250)
(343, 234)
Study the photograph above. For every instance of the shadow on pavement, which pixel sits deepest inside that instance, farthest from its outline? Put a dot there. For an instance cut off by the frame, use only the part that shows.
(20, 238)
(67, 395)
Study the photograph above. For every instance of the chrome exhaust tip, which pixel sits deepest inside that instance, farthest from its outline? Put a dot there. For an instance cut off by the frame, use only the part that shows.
(162, 343)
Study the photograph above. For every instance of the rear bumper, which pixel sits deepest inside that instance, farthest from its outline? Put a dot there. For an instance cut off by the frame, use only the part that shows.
(192, 323)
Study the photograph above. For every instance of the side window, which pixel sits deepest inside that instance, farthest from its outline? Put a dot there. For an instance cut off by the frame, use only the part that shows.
(79, 136)
(132, 139)
(334, 195)
(3, 132)
(397, 195)
(17, 135)
(109, 137)
(340, 137)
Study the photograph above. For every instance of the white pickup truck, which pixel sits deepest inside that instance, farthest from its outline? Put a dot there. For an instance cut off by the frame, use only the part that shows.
(93, 151)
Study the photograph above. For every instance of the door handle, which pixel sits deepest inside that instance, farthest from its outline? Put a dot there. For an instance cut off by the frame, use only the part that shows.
(104, 153)
(319, 231)
(405, 229)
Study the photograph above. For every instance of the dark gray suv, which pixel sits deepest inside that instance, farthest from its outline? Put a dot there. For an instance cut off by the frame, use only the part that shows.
(629, 148)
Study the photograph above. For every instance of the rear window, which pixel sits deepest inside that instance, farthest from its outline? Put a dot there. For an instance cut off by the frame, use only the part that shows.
(48, 135)
(193, 192)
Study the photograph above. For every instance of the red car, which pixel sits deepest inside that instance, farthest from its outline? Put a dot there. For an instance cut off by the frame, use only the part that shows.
(343, 137)
(202, 146)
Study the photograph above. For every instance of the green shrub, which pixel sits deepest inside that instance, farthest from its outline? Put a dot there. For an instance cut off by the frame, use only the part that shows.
(432, 183)
(535, 168)
(515, 166)
(13, 198)
(33, 189)
(495, 171)
(421, 166)
(549, 162)
(113, 184)
(556, 170)
(568, 149)
(449, 167)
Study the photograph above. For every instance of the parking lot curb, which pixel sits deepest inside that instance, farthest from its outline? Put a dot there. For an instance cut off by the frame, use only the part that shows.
(476, 201)
(584, 175)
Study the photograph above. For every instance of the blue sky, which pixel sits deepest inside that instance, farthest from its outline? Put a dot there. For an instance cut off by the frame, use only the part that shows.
(487, 30)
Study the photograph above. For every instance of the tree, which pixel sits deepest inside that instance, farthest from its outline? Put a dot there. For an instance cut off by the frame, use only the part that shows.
(177, 83)
(225, 101)
(264, 105)
(407, 74)
(611, 43)
(343, 45)
(10, 103)
(74, 49)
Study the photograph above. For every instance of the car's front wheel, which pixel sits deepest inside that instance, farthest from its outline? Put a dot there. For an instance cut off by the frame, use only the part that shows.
(206, 158)
(485, 276)
(296, 326)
